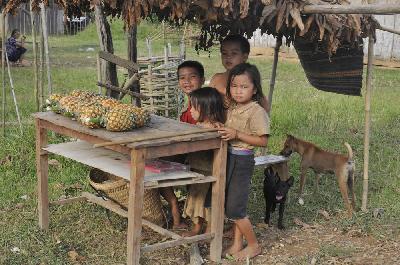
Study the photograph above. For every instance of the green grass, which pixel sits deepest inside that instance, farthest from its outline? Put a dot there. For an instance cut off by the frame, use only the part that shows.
(325, 119)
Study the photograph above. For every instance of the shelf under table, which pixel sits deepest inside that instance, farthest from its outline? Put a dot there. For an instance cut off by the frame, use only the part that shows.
(120, 165)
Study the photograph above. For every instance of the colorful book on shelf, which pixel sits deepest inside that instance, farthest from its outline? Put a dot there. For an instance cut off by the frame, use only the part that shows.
(162, 166)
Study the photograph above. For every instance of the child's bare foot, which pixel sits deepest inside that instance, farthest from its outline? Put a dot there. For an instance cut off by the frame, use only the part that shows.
(176, 218)
(249, 251)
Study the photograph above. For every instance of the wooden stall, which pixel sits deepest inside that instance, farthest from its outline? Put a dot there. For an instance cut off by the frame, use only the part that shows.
(128, 161)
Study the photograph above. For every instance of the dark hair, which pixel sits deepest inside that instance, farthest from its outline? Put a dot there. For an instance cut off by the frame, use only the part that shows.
(192, 64)
(14, 31)
(254, 75)
(208, 101)
(239, 39)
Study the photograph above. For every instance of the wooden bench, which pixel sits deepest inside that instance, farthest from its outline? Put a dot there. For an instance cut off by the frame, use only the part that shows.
(278, 162)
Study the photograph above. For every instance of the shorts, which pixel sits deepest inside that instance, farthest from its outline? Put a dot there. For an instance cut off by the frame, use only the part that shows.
(16, 55)
(238, 177)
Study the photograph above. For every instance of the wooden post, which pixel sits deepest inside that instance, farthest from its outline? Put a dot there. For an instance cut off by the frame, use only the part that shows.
(35, 66)
(218, 200)
(41, 62)
(109, 70)
(367, 121)
(42, 168)
(46, 45)
(273, 76)
(99, 72)
(135, 206)
(166, 92)
(3, 71)
(132, 56)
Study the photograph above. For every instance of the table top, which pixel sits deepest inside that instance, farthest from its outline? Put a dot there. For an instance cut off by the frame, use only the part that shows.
(159, 126)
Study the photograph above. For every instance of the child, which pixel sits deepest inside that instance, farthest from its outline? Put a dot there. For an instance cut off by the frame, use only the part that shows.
(247, 126)
(207, 109)
(15, 49)
(235, 49)
(190, 78)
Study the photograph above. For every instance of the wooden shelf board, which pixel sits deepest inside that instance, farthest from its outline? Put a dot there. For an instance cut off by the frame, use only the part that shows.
(113, 162)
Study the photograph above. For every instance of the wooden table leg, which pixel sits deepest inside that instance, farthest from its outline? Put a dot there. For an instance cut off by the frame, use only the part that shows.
(218, 200)
(42, 169)
(135, 207)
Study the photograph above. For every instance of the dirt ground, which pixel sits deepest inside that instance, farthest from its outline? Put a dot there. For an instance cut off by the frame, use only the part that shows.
(288, 55)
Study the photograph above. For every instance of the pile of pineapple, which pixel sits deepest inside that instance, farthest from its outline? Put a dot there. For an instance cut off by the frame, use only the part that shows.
(95, 111)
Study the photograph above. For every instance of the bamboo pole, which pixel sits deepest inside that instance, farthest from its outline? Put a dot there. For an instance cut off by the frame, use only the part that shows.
(273, 76)
(123, 90)
(98, 64)
(35, 66)
(46, 45)
(3, 52)
(352, 9)
(367, 121)
(13, 94)
(156, 137)
(41, 63)
(388, 29)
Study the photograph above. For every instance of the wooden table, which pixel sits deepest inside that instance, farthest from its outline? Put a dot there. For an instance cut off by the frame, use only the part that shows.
(135, 153)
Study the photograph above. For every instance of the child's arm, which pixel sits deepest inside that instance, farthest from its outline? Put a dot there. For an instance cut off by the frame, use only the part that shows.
(228, 134)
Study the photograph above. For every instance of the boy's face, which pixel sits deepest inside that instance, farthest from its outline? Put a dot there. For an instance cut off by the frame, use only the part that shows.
(231, 55)
(189, 79)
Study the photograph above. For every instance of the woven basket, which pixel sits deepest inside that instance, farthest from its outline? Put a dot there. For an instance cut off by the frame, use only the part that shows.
(117, 190)
(341, 73)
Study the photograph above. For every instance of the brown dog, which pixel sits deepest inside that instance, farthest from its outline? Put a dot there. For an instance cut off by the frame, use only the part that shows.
(322, 161)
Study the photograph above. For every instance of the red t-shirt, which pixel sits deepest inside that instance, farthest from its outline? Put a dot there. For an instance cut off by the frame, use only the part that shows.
(186, 116)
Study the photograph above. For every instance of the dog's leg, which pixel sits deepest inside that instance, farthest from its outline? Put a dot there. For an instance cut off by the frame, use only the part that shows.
(280, 218)
(268, 206)
(350, 185)
(302, 182)
(342, 181)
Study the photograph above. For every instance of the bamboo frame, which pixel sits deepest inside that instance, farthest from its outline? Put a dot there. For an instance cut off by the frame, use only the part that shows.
(3, 48)
(35, 65)
(46, 45)
(273, 76)
(352, 9)
(367, 121)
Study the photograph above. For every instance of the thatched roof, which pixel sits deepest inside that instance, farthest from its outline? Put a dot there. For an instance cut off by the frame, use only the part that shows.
(221, 17)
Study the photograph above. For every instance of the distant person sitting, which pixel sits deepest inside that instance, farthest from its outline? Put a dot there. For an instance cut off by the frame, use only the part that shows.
(15, 48)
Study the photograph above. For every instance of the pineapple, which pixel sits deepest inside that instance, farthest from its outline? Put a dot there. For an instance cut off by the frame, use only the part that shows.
(84, 95)
(92, 115)
(107, 102)
(119, 119)
(68, 105)
(52, 103)
(142, 116)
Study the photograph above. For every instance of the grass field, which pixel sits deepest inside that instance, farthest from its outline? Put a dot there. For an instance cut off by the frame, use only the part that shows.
(325, 119)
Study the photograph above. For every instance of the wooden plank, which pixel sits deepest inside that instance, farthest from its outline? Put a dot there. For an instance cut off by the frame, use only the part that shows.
(182, 147)
(110, 161)
(118, 61)
(269, 160)
(42, 171)
(135, 206)
(178, 182)
(68, 200)
(157, 126)
(161, 230)
(112, 206)
(131, 93)
(177, 242)
(218, 200)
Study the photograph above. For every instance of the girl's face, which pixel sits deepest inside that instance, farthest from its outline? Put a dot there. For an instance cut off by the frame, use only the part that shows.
(242, 89)
(17, 35)
(232, 55)
(195, 113)
(189, 79)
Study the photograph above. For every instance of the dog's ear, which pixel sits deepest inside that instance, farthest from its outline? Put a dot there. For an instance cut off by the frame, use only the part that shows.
(290, 181)
(289, 136)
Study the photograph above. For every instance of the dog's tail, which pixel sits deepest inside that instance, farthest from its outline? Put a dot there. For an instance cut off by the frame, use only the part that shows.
(350, 151)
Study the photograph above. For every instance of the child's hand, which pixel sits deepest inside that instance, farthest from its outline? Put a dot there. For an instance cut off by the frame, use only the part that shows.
(228, 134)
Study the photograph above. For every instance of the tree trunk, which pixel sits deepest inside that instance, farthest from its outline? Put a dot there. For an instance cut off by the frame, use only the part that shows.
(108, 70)
(132, 56)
